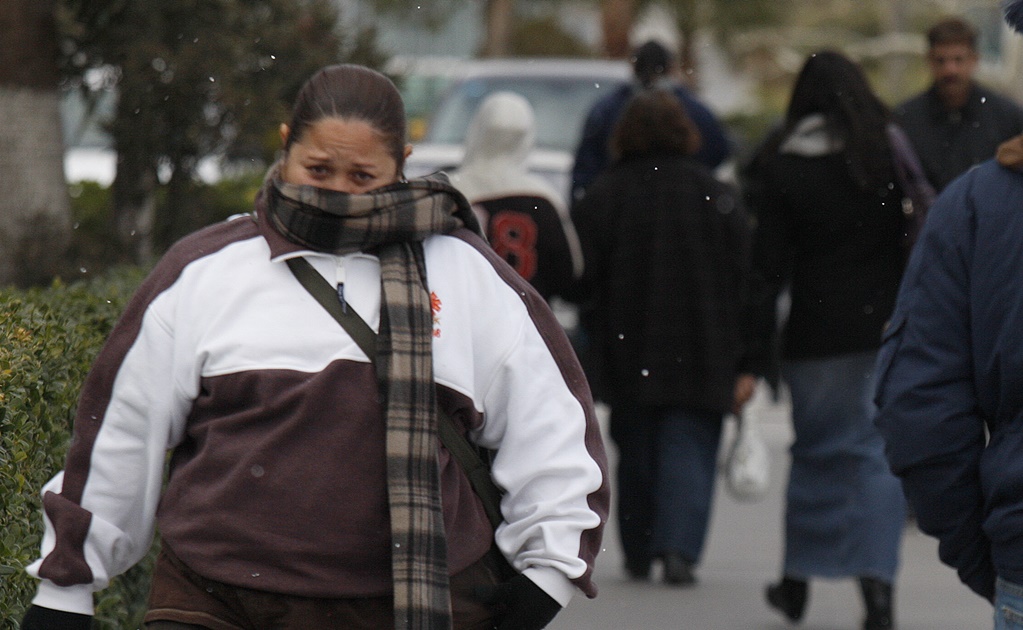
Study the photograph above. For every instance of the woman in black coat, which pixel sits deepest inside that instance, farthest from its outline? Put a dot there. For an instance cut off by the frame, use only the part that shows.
(665, 248)
(832, 232)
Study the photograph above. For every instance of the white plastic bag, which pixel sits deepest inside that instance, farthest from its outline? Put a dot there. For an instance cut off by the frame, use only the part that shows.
(748, 464)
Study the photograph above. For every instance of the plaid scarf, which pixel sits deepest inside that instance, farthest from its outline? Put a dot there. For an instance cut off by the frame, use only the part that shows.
(392, 222)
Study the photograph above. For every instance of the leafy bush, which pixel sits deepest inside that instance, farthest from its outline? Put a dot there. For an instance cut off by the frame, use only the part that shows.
(197, 204)
(94, 247)
(49, 338)
(92, 240)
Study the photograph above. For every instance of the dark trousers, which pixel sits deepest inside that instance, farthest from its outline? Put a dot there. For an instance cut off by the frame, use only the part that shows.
(667, 464)
(180, 599)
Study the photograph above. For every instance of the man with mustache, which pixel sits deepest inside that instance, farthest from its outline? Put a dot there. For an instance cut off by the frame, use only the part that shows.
(956, 123)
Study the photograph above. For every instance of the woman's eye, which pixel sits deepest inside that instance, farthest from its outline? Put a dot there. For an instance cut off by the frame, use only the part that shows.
(318, 170)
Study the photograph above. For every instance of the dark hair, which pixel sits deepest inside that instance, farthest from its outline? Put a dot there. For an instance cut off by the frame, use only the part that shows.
(650, 61)
(835, 86)
(654, 121)
(952, 30)
(351, 91)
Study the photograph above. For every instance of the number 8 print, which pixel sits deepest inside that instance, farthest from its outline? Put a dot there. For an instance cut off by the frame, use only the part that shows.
(513, 237)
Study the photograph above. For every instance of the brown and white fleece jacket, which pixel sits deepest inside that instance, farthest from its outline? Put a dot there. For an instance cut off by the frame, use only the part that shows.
(277, 480)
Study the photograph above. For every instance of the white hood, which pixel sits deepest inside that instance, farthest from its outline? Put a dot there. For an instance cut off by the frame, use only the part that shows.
(812, 137)
(497, 145)
(500, 138)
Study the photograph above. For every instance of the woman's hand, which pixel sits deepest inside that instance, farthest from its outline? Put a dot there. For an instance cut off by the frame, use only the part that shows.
(526, 605)
(39, 618)
(745, 385)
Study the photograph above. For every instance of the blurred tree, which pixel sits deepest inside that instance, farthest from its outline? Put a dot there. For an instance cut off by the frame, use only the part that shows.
(498, 16)
(722, 17)
(502, 24)
(507, 33)
(616, 19)
(543, 36)
(196, 78)
(35, 222)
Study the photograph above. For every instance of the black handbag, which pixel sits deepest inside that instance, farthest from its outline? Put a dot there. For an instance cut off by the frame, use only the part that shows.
(917, 192)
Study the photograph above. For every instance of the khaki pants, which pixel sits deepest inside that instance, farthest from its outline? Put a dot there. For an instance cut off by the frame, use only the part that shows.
(181, 599)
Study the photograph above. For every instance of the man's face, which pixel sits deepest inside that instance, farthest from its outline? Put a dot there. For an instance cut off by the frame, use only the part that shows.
(952, 67)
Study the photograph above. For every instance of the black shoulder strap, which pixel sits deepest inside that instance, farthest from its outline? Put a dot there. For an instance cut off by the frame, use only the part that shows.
(464, 452)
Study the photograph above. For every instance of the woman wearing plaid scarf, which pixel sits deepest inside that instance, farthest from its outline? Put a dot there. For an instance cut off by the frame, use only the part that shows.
(307, 487)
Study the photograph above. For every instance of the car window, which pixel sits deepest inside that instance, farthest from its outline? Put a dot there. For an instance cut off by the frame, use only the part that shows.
(560, 105)
(421, 94)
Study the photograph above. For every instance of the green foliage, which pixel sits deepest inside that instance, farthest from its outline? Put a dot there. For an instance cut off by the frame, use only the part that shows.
(430, 14)
(49, 338)
(196, 78)
(204, 204)
(729, 18)
(93, 247)
(92, 240)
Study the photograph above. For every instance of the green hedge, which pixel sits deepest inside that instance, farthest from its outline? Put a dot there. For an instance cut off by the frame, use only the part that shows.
(48, 340)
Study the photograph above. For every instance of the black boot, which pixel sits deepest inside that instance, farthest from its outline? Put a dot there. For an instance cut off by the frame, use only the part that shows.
(678, 571)
(638, 568)
(877, 596)
(789, 597)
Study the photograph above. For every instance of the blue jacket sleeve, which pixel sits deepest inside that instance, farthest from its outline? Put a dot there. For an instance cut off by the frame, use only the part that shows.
(927, 405)
(592, 154)
(715, 147)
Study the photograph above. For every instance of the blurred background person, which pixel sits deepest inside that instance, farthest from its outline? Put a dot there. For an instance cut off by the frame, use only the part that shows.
(830, 231)
(956, 123)
(524, 217)
(666, 251)
(951, 373)
(653, 66)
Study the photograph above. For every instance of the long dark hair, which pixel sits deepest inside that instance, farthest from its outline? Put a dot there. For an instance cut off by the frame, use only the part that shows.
(834, 86)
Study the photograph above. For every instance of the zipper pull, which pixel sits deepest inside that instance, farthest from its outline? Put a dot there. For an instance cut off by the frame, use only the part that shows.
(341, 284)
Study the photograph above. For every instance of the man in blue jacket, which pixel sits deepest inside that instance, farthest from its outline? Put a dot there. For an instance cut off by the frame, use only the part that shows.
(950, 389)
(653, 66)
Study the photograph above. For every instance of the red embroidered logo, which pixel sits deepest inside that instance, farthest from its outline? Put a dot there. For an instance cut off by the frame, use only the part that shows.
(435, 309)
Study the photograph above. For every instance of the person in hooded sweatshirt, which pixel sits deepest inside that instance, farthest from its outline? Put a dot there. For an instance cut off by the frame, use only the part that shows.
(524, 217)
(831, 231)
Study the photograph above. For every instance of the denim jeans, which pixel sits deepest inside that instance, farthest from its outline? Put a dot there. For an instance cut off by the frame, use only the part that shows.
(1008, 605)
(667, 467)
(844, 510)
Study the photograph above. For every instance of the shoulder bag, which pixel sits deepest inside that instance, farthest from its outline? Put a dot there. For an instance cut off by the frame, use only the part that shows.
(466, 454)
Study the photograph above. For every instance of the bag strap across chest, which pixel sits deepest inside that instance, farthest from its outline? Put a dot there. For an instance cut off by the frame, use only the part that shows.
(467, 456)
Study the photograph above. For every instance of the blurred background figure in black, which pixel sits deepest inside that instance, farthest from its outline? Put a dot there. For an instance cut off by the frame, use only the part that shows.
(830, 231)
(666, 248)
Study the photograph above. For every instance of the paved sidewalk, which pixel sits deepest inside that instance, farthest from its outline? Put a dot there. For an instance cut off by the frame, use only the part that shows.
(744, 553)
